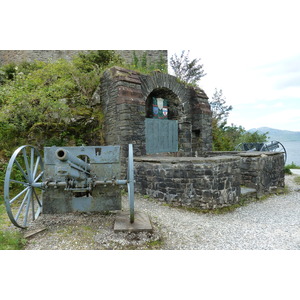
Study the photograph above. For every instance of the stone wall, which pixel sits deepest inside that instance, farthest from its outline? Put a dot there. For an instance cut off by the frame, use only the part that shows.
(263, 171)
(17, 56)
(209, 182)
(123, 105)
(205, 183)
(7, 56)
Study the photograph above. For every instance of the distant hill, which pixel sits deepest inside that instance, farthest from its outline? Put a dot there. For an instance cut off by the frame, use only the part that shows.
(278, 135)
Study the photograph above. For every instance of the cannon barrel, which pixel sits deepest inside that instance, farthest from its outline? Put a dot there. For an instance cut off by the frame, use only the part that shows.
(64, 155)
(272, 146)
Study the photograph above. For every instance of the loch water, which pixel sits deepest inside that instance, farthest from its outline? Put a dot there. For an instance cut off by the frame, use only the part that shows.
(293, 152)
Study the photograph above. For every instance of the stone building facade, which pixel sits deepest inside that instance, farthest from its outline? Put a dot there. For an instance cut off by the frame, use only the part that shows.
(189, 174)
(126, 98)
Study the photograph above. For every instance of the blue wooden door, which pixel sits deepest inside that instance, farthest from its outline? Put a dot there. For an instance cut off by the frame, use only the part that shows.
(161, 135)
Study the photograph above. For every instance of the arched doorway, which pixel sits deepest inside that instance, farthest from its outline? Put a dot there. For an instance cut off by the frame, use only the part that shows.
(161, 122)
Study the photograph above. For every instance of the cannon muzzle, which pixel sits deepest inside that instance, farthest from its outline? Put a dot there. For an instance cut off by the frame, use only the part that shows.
(64, 155)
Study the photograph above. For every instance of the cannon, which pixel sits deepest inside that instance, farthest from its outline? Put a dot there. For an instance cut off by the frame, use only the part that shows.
(273, 146)
(70, 179)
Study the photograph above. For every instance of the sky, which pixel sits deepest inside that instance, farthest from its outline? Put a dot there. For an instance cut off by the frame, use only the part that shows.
(252, 53)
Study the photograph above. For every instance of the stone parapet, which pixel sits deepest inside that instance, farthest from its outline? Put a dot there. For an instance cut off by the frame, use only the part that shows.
(263, 171)
(205, 183)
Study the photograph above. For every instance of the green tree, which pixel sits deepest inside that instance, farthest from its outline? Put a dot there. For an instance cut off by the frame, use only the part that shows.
(187, 70)
(220, 110)
(226, 138)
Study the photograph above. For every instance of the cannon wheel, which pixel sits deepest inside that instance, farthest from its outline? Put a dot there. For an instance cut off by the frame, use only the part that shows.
(22, 186)
(130, 182)
(239, 147)
(280, 148)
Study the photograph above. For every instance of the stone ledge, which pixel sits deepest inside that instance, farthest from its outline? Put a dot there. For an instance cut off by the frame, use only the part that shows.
(175, 160)
(258, 153)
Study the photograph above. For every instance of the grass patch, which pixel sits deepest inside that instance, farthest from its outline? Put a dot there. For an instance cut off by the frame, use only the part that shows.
(287, 168)
(11, 241)
(216, 211)
(155, 245)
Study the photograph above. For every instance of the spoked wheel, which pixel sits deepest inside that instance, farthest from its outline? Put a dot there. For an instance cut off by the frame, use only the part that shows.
(275, 146)
(22, 186)
(130, 182)
(239, 147)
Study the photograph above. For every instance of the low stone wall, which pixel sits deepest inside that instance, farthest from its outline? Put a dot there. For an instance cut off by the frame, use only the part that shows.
(205, 183)
(263, 171)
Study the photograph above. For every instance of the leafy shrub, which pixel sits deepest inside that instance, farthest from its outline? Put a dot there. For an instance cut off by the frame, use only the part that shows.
(48, 103)
(141, 64)
(293, 166)
(287, 168)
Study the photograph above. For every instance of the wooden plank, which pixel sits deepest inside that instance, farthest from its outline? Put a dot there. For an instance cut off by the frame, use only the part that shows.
(34, 232)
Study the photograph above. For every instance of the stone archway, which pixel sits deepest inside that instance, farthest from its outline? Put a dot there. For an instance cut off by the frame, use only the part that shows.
(173, 103)
(125, 96)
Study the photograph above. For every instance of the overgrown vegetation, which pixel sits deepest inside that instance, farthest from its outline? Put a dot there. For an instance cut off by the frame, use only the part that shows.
(49, 103)
(143, 65)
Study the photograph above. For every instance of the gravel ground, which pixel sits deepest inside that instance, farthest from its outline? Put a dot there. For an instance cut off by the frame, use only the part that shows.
(271, 224)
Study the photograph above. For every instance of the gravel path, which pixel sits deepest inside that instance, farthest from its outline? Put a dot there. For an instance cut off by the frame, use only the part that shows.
(270, 224)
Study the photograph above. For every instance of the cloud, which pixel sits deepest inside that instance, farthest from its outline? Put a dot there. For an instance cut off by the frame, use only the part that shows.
(284, 66)
(286, 81)
(284, 73)
(278, 115)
